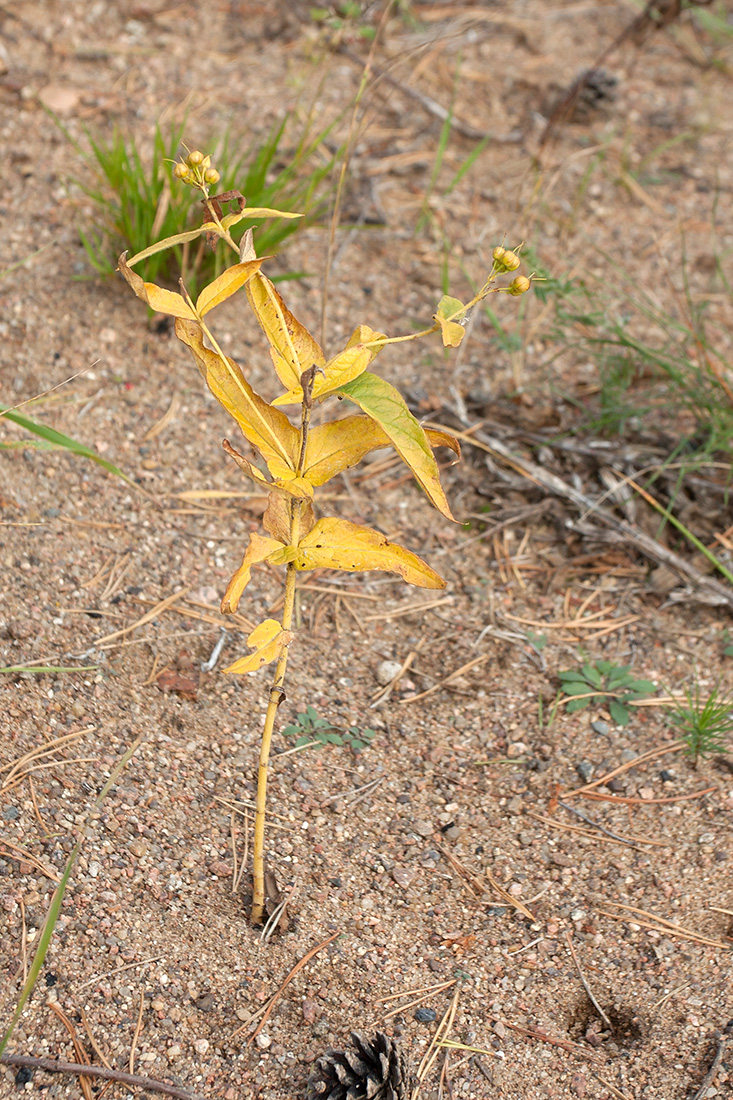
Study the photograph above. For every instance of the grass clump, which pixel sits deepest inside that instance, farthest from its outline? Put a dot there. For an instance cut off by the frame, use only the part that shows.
(134, 199)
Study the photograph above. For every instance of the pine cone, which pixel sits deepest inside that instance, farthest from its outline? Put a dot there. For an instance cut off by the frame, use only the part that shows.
(376, 1069)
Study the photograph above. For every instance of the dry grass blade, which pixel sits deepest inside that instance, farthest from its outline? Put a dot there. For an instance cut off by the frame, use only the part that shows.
(660, 924)
(644, 758)
(277, 995)
(81, 1055)
(119, 970)
(40, 752)
(479, 888)
(448, 679)
(23, 856)
(429, 990)
(441, 1034)
(410, 609)
(138, 1029)
(162, 424)
(584, 982)
(148, 617)
(423, 989)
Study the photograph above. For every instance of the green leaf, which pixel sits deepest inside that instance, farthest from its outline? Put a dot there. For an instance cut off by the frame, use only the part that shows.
(356, 744)
(312, 713)
(592, 675)
(576, 687)
(303, 741)
(291, 731)
(383, 403)
(642, 687)
(569, 674)
(619, 713)
(576, 704)
(619, 677)
(57, 439)
(334, 738)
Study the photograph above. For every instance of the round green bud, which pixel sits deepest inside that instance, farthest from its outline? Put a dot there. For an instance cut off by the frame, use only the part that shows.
(194, 159)
(211, 176)
(519, 285)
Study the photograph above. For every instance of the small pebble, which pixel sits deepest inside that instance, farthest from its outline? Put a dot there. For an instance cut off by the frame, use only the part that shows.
(666, 776)
(386, 672)
(423, 828)
(173, 1052)
(585, 770)
(201, 1045)
(452, 832)
(426, 1015)
(263, 1040)
(706, 838)
(12, 813)
(402, 876)
(601, 727)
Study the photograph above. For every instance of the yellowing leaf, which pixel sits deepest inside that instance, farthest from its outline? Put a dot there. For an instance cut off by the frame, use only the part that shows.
(337, 544)
(339, 444)
(162, 301)
(256, 212)
(171, 242)
(297, 487)
(228, 283)
(295, 347)
(265, 428)
(348, 364)
(268, 640)
(450, 311)
(383, 403)
(259, 550)
(276, 519)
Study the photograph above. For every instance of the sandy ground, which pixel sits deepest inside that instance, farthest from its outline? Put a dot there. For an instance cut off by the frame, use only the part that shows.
(444, 855)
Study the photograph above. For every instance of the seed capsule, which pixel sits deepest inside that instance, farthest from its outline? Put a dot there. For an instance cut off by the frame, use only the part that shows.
(194, 159)
(211, 176)
(519, 285)
(499, 253)
(511, 261)
(181, 171)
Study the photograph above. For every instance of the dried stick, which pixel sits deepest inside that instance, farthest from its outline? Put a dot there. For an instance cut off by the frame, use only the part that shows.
(586, 987)
(51, 1065)
(710, 590)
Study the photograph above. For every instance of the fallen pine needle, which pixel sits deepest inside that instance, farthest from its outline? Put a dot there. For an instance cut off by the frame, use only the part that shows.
(660, 924)
(443, 683)
(276, 996)
(645, 758)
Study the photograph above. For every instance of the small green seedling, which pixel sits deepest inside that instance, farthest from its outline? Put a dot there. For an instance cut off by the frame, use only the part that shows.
(301, 457)
(312, 730)
(604, 682)
(705, 724)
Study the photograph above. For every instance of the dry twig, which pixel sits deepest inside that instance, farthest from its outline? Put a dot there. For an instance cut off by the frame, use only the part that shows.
(51, 1065)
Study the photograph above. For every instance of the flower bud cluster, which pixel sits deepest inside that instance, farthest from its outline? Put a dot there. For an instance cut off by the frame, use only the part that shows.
(196, 170)
(506, 261)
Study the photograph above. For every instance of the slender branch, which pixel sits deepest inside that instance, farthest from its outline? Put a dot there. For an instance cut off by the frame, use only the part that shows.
(277, 694)
(51, 1065)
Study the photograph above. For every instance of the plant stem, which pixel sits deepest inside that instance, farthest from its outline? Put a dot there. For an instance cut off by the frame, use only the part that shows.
(277, 693)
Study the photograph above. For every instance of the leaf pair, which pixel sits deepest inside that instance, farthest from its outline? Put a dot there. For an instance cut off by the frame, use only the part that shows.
(330, 543)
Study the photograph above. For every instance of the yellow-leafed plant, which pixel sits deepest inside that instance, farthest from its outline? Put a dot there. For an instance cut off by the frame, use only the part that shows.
(299, 457)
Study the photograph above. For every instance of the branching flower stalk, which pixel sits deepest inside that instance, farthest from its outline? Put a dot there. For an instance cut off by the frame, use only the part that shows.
(301, 459)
